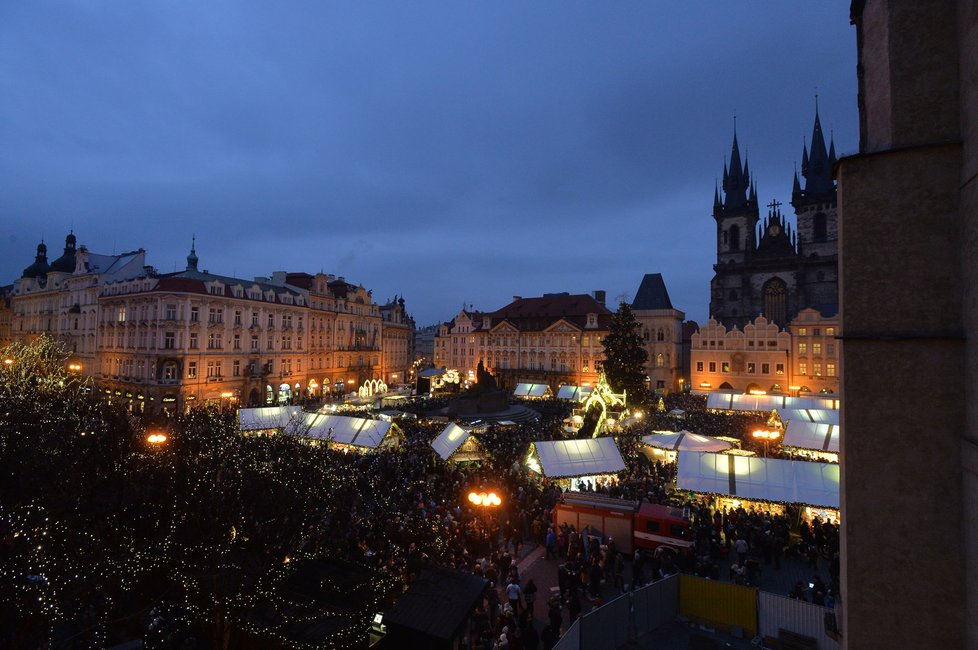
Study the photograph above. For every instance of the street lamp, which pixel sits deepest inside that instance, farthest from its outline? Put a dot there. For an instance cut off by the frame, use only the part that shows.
(155, 440)
(75, 367)
(486, 500)
(766, 436)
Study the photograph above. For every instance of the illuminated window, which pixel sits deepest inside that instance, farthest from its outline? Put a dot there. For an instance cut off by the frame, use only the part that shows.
(699, 366)
(830, 369)
(779, 368)
(802, 348)
(816, 349)
(725, 367)
(192, 370)
(829, 331)
(750, 368)
(802, 368)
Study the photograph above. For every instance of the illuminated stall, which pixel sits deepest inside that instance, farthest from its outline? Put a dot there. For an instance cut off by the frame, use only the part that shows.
(664, 445)
(574, 393)
(458, 445)
(532, 391)
(720, 401)
(346, 433)
(269, 419)
(588, 459)
(767, 484)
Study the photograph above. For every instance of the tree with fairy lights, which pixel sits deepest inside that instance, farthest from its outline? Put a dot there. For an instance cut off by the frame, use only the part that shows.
(625, 356)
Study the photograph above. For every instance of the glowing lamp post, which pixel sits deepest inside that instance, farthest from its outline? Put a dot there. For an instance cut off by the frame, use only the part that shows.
(8, 362)
(156, 440)
(75, 367)
(766, 436)
(485, 502)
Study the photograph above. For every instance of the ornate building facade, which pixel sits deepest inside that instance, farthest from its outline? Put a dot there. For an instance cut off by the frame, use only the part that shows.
(769, 268)
(661, 328)
(554, 339)
(165, 341)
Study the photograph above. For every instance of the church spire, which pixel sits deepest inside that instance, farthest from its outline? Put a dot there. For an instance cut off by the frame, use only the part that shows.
(818, 170)
(736, 180)
(192, 258)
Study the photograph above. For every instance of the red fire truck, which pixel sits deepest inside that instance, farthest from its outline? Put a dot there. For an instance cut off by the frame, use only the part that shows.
(631, 524)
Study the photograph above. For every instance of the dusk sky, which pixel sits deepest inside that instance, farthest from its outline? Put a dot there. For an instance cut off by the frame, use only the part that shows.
(448, 152)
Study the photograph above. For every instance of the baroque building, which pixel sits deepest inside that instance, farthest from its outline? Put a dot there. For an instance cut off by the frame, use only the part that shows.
(767, 267)
(661, 329)
(553, 339)
(162, 342)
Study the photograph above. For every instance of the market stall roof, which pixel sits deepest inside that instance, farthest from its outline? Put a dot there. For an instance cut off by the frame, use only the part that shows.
(574, 393)
(435, 607)
(677, 413)
(531, 390)
(740, 402)
(358, 432)
(584, 457)
(812, 435)
(432, 372)
(269, 417)
(764, 479)
(823, 416)
(449, 440)
(684, 441)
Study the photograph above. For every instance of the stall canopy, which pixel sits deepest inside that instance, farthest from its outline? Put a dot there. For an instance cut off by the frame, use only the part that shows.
(449, 440)
(269, 417)
(531, 390)
(762, 479)
(571, 458)
(357, 432)
(740, 402)
(574, 393)
(822, 416)
(684, 441)
(812, 435)
(432, 372)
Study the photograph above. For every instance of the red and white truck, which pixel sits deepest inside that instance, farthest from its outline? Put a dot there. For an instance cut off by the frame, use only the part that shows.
(632, 524)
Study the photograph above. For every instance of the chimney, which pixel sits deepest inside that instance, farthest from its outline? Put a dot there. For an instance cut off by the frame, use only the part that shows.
(599, 295)
(278, 278)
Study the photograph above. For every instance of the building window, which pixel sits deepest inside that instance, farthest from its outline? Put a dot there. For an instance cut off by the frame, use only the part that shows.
(213, 368)
(171, 312)
(121, 315)
(254, 318)
(236, 368)
(829, 331)
(802, 368)
(169, 341)
(765, 369)
(194, 314)
(237, 317)
(830, 348)
(817, 331)
(713, 366)
(830, 369)
(816, 349)
(660, 360)
(802, 348)
(818, 369)
(170, 371)
(237, 341)
(775, 301)
(779, 368)
(192, 370)
(193, 341)
(750, 369)
(725, 366)
(699, 366)
(271, 320)
(820, 224)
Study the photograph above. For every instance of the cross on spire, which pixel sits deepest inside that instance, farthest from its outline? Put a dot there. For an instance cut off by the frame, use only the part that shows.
(774, 205)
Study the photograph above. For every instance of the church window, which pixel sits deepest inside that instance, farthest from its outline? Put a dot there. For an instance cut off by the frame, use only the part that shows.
(660, 360)
(820, 227)
(661, 336)
(735, 238)
(775, 301)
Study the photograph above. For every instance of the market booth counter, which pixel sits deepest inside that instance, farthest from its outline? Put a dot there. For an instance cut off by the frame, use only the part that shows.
(456, 444)
(568, 462)
(766, 483)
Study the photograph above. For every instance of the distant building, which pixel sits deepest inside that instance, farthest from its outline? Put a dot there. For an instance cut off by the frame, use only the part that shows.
(815, 352)
(398, 344)
(661, 329)
(6, 315)
(767, 268)
(554, 339)
(756, 358)
(424, 345)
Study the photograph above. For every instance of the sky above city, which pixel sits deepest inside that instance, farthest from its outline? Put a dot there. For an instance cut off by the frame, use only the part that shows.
(453, 153)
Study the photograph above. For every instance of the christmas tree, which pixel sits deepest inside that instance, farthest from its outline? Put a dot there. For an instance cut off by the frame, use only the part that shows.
(625, 356)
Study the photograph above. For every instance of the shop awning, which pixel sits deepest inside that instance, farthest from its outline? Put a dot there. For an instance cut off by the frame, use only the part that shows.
(269, 417)
(684, 441)
(812, 435)
(584, 457)
(449, 440)
(531, 390)
(763, 479)
(741, 402)
(358, 432)
(574, 393)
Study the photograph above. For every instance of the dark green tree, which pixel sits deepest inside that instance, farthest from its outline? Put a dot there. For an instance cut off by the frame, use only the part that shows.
(625, 356)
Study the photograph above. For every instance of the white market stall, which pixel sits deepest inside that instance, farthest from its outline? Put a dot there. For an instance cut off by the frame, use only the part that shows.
(347, 433)
(743, 402)
(813, 439)
(574, 393)
(590, 459)
(268, 418)
(823, 416)
(458, 445)
(534, 391)
(775, 481)
(664, 445)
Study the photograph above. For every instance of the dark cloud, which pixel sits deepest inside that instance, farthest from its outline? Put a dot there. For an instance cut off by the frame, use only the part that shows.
(447, 152)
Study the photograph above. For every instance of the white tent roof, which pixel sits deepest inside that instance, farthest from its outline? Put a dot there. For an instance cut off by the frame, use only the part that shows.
(766, 479)
(684, 441)
(741, 402)
(359, 432)
(584, 457)
(531, 390)
(576, 393)
(449, 440)
(824, 416)
(812, 435)
(269, 417)
(432, 372)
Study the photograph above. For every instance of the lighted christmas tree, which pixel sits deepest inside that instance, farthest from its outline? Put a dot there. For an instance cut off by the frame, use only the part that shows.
(625, 356)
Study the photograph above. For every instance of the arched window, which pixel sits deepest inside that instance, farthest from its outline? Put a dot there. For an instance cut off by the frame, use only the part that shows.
(820, 227)
(735, 238)
(660, 360)
(660, 336)
(776, 301)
